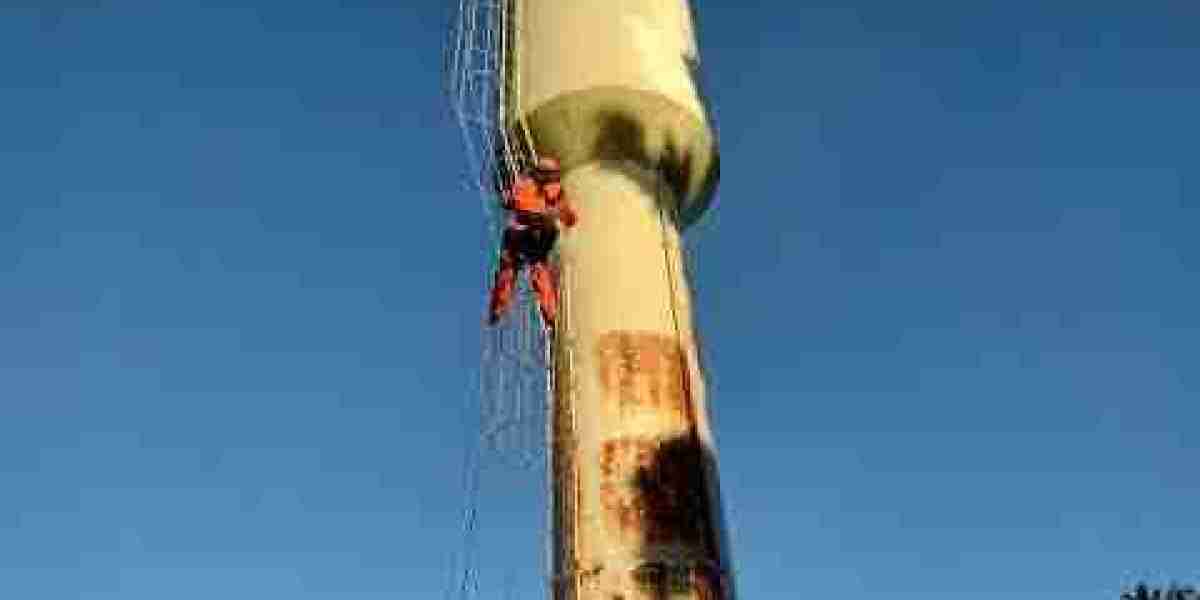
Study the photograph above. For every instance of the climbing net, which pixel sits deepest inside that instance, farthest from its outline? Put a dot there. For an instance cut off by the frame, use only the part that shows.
(507, 405)
(513, 365)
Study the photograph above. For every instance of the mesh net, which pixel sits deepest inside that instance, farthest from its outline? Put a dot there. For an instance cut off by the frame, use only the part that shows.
(503, 552)
(513, 379)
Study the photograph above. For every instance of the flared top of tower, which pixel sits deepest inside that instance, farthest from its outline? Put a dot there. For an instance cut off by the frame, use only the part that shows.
(590, 80)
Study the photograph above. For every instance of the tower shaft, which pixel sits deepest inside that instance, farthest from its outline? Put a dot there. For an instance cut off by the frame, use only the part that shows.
(608, 88)
(636, 498)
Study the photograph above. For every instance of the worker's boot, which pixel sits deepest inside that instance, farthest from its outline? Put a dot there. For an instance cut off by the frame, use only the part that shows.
(542, 280)
(502, 290)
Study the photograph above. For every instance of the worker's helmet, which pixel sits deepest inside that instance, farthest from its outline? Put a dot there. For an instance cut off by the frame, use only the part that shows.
(547, 169)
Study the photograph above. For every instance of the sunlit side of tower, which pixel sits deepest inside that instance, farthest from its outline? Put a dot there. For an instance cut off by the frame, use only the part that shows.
(608, 87)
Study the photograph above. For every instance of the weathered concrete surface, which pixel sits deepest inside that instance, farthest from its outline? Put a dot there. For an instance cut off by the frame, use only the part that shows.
(638, 501)
(608, 87)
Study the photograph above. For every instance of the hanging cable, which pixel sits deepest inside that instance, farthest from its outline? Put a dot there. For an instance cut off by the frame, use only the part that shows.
(709, 534)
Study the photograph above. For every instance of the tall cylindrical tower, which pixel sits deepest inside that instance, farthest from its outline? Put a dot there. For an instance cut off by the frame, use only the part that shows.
(608, 88)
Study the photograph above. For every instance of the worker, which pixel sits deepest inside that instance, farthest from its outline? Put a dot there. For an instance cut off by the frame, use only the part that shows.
(537, 204)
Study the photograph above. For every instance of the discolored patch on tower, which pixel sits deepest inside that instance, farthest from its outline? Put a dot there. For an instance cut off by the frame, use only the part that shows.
(655, 490)
(624, 508)
(690, 580)
(653, 494)
(640, 370)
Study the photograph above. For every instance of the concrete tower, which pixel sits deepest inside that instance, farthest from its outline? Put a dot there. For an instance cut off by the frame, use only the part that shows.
(608, 88)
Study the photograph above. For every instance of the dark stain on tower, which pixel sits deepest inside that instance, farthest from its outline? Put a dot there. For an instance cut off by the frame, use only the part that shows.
(653, 486)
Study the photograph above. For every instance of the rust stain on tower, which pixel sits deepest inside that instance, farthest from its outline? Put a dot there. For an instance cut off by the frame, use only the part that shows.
(652, 483)
(649, 488)
(643, 370)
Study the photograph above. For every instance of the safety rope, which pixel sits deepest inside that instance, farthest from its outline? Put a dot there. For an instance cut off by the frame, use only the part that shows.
(691, 407)
(522, 121)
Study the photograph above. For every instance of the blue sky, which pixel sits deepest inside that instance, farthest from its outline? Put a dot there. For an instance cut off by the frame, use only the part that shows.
(950, 290)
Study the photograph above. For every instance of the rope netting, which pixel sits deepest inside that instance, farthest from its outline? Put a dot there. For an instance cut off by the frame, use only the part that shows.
(505, 533)
(513, 382)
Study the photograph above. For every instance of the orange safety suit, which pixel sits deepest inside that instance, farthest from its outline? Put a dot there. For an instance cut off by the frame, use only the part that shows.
(537, 205)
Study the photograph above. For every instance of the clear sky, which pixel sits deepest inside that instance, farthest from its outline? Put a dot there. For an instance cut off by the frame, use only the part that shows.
(950, 289)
